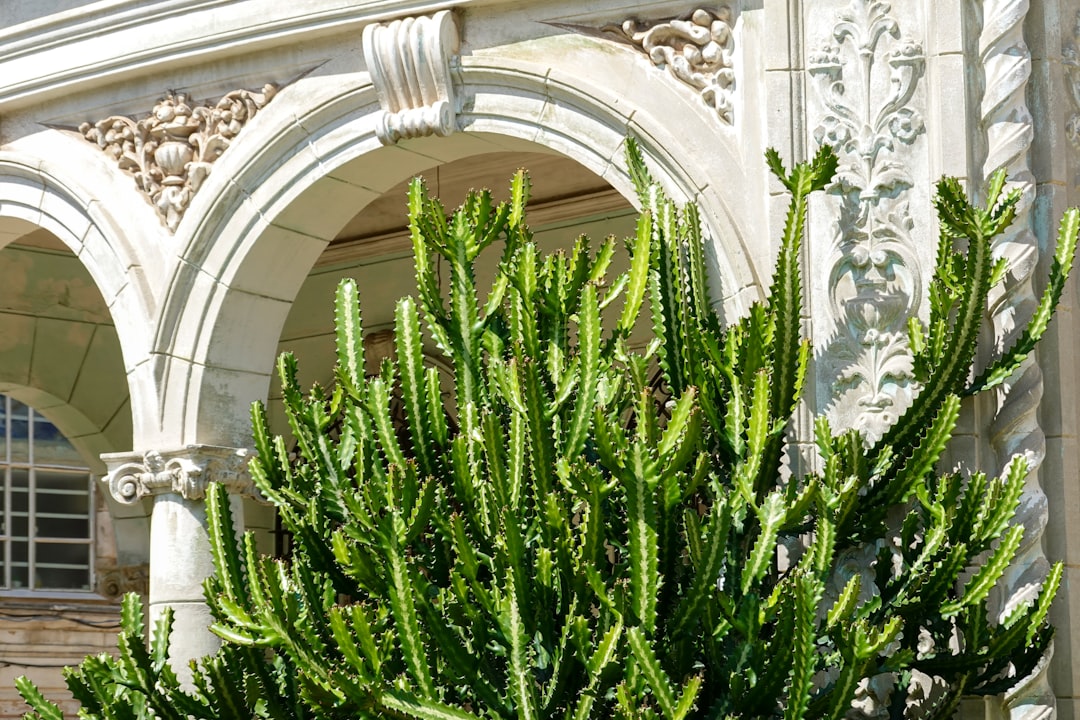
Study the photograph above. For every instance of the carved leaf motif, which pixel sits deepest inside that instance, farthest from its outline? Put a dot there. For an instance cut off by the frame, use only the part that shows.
(169, 152)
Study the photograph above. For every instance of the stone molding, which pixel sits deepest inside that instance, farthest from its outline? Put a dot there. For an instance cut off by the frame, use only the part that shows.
(696, 49)
(1009, 130)
(115, 582)
(170, 151)
(866, 76)
(409, 63)
(185, 472)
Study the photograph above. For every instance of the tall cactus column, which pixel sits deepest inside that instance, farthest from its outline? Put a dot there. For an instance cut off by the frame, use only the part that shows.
(180, 556)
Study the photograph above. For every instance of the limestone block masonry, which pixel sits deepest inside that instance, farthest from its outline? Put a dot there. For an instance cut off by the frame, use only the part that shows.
(203, 163)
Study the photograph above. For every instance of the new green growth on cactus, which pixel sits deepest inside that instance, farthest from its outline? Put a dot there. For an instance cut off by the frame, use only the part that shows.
(569, 546)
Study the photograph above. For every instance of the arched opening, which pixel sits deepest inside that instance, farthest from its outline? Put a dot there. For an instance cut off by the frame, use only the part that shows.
(311, 161)
(67, 552)
(374, 248)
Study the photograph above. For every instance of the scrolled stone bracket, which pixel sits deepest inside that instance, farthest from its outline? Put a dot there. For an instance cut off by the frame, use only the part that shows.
(409, 63)
(186, 472)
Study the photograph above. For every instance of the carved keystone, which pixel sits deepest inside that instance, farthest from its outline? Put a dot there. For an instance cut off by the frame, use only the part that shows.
(186, 472)
(409, 63)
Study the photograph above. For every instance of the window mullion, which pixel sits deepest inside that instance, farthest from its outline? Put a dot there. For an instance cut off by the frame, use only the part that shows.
(8, 520)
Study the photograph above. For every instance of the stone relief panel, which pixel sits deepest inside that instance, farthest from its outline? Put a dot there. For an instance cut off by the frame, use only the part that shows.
(1070, 58)
(115, 582)
(866, 73)
(170, 151)
(696, 49)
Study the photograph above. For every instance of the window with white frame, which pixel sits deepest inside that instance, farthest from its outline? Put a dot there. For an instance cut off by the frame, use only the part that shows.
(46, 508)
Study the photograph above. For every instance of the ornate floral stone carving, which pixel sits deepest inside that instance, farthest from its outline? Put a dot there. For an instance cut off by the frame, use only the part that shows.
(409, 63)
(696, 49)
(115, 582)
(185, 472)
(170, 151)
(867, 75)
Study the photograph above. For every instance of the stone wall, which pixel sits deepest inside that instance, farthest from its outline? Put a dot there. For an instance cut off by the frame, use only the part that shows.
(38, 639)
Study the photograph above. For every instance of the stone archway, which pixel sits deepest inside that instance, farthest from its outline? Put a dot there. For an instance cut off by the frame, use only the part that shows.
(105, 291)
(313, 158)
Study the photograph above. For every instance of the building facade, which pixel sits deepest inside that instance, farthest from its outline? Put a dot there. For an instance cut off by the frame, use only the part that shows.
(183, 182)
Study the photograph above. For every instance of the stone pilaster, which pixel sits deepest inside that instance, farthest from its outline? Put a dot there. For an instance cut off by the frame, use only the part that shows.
(180, 557)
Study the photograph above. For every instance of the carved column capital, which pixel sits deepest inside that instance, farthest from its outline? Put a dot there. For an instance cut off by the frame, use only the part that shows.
(185, 472)
(409, 63)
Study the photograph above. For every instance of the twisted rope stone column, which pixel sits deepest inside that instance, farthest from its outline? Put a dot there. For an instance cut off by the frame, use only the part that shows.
(1006, 121)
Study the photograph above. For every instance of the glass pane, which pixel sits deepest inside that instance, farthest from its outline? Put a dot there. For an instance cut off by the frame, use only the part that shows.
(20, 441)
(62, 578)
(51, 447)
(20, 570)
(62, 483)
(19, 411)
(20, 525)
(20, 501)
(62, 505)
(64, 567)
(63, 527)
(48, 554)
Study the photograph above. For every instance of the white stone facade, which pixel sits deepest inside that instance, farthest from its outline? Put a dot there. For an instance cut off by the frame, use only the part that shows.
(181, 182)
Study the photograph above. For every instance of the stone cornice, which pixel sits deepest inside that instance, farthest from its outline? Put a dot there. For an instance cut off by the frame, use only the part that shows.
(122, 38)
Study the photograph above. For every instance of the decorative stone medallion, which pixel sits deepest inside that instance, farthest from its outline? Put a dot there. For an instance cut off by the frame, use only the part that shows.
(170, 151)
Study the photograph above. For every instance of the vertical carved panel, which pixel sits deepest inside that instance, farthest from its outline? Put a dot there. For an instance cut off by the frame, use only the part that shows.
(1008, 128)
(866, 75)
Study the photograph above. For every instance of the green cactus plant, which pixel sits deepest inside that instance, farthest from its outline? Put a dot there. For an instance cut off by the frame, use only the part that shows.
(571, 546)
